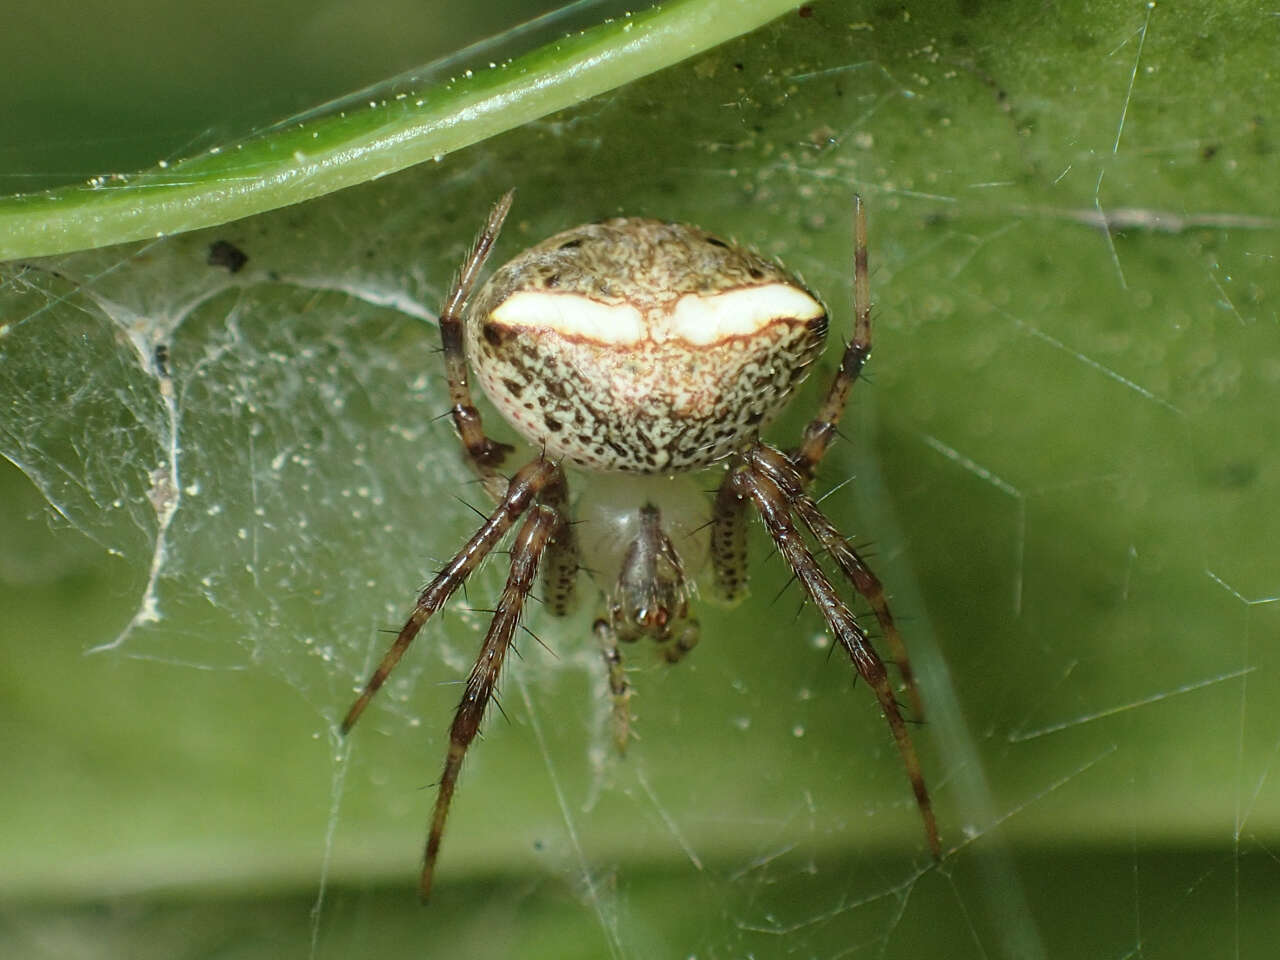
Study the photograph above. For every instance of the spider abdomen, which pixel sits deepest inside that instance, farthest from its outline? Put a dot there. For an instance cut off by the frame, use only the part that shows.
(641, 346)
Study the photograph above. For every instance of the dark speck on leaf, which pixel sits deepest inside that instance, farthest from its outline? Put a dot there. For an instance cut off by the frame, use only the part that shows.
(161, 358)
(223, 253)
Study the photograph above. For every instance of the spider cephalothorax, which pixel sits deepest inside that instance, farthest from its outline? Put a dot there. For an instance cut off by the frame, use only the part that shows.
(639, 351)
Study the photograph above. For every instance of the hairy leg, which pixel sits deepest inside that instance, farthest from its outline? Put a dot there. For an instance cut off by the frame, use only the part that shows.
(523, 490)
(729, 543)
(780, 470)
(560, 565)
(534, 535)
(485, 454)
(821, 430)
(775, 510)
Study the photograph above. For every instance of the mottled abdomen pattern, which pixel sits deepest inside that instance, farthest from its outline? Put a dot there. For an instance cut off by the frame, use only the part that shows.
(641, 346)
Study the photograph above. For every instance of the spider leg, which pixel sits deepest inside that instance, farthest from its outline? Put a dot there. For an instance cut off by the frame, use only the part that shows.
(532, 539)
(821, 429)
(729, 544)
(749, 482)
(485, 454)
(524, 489)
(561, 563)
(619, 687)
(778, 467)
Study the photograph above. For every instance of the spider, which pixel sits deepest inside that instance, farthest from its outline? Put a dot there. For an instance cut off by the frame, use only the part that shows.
(644, 351)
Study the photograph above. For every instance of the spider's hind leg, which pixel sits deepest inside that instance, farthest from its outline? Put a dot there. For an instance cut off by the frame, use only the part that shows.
(821, 430)
(485, 453)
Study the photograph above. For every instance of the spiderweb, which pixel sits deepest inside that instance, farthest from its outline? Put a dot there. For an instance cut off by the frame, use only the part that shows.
(1061, 462)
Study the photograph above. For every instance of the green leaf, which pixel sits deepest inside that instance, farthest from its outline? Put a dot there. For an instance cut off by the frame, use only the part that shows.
(422, 116)
(1060, 460)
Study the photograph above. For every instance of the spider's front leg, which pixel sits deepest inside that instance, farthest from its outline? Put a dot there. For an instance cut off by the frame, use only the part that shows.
(540, 490)
(751, 479)
(779, 468)
(534, 537)
(524, 489)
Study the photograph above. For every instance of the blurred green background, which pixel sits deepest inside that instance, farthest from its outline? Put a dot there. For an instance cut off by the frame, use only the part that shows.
(1062, 459)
